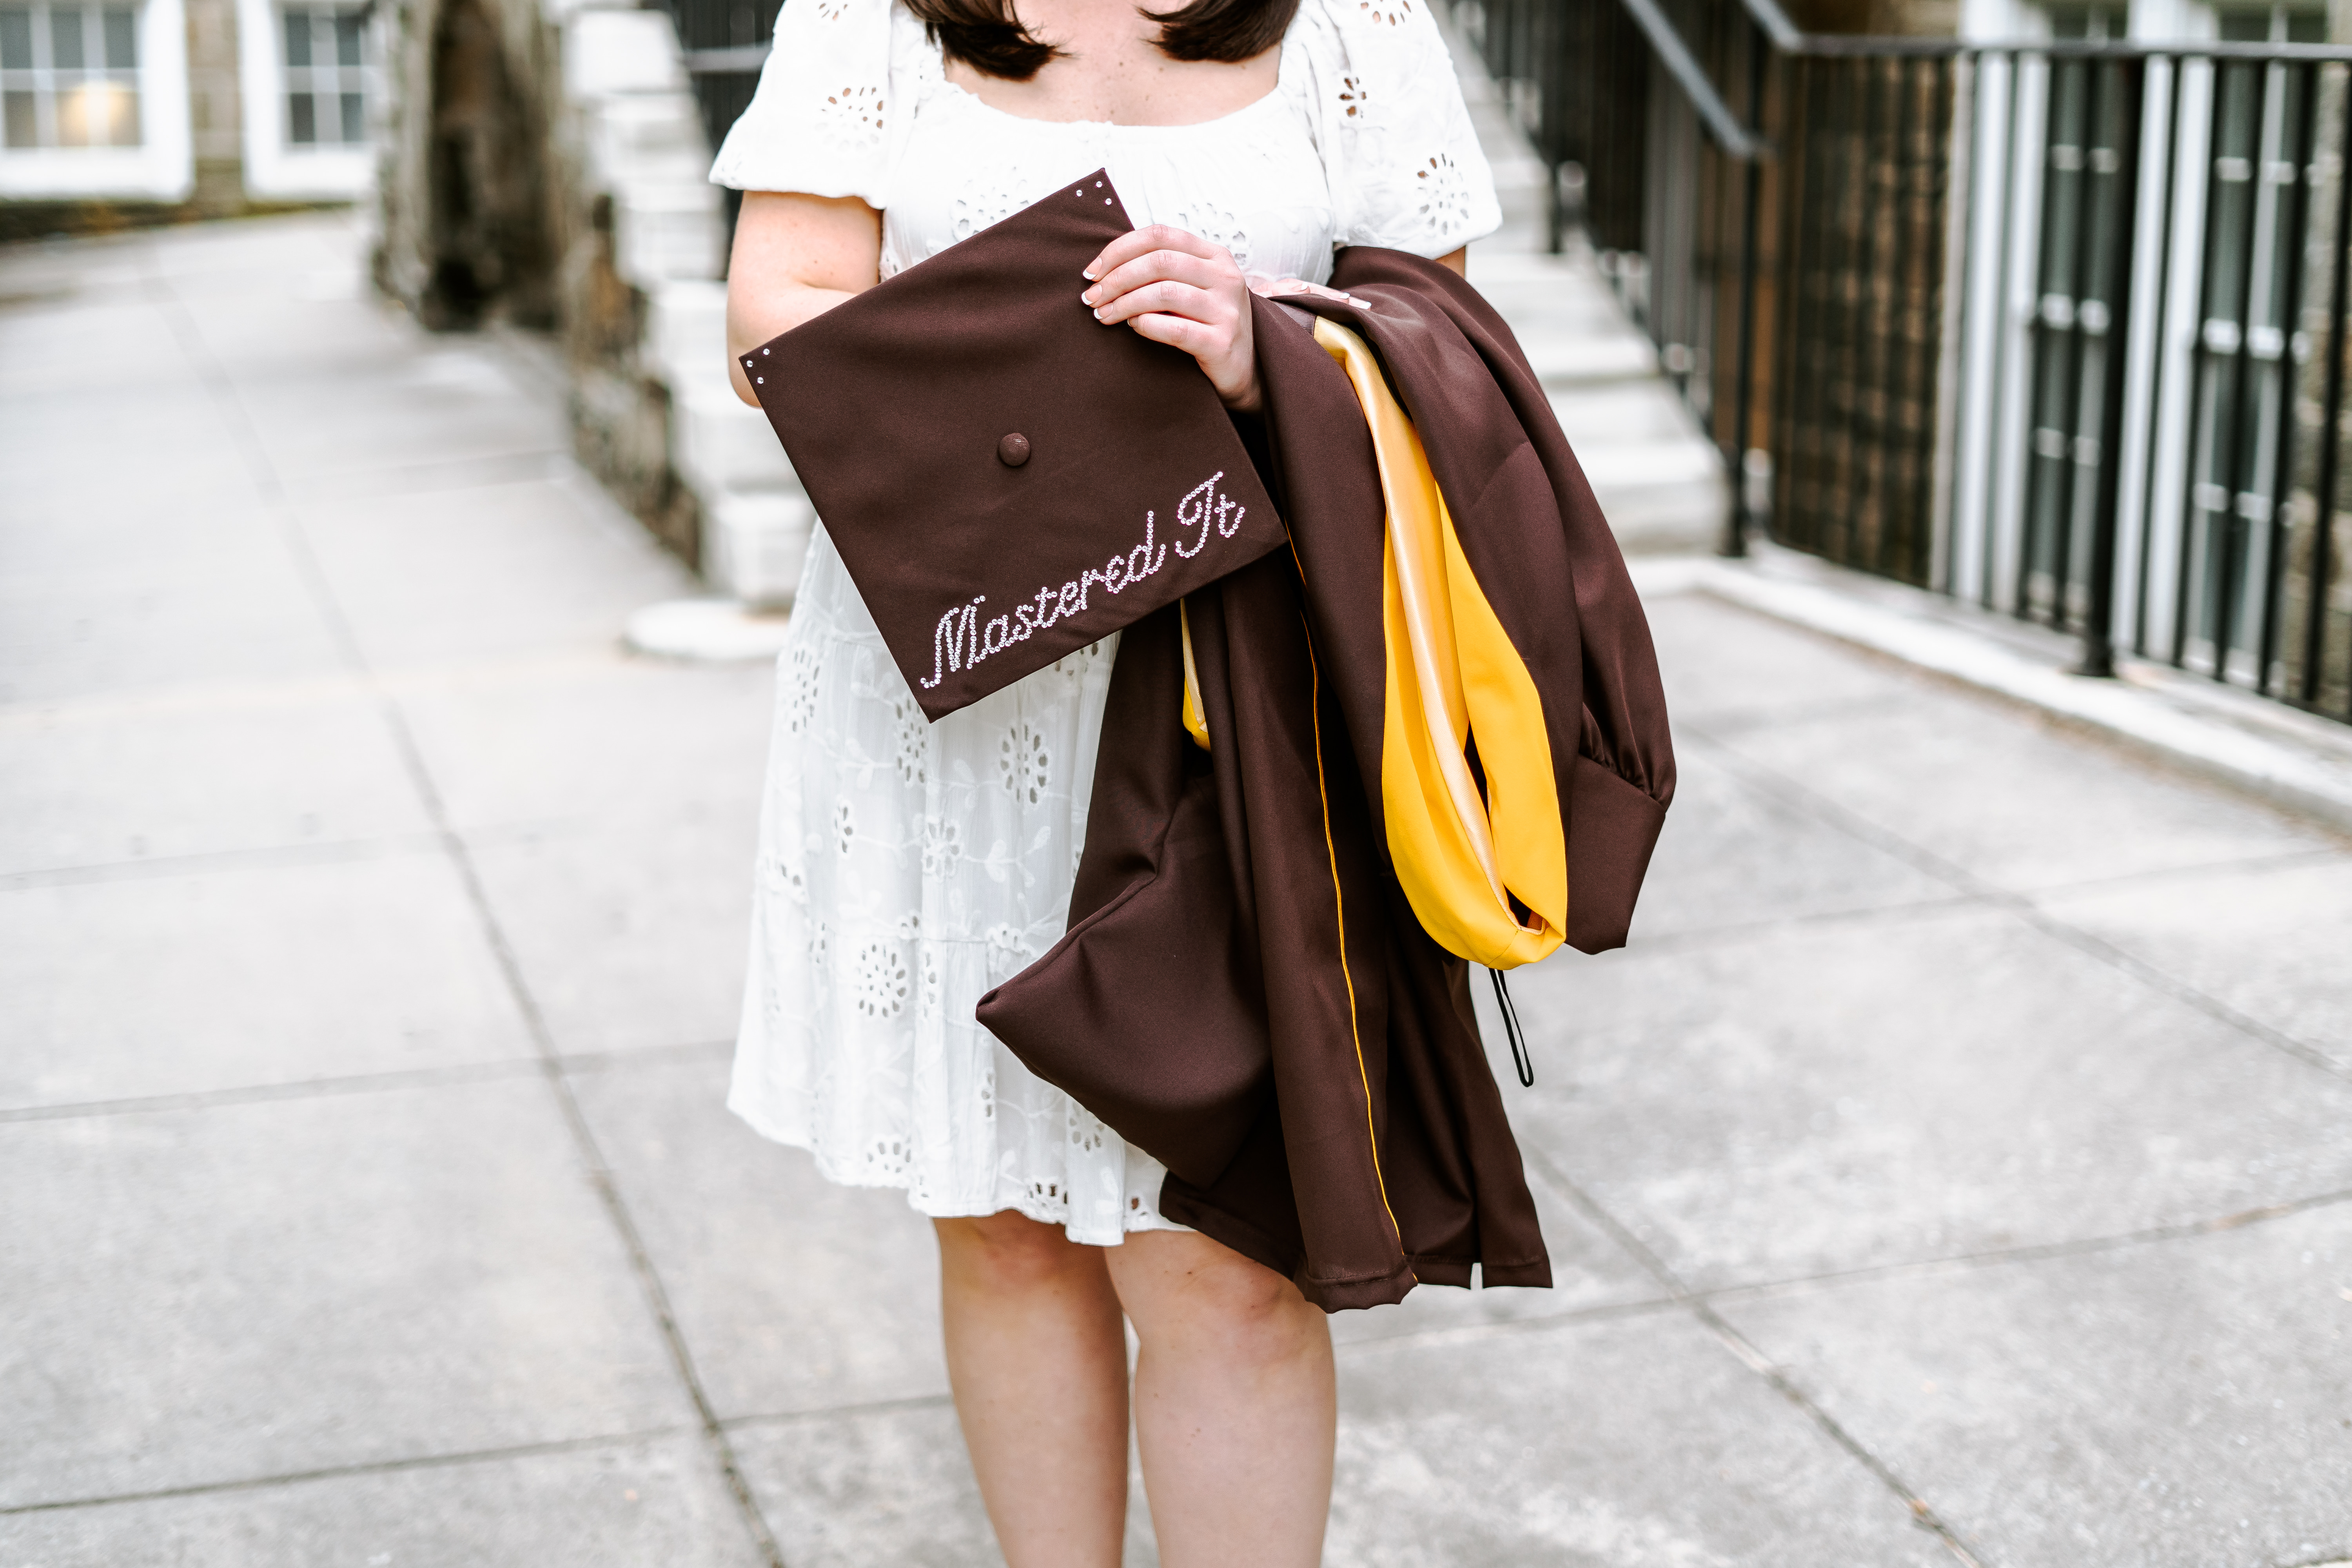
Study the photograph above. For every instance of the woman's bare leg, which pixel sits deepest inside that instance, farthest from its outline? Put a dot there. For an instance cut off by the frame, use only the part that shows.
(1234, 1405)
(1037, 1358)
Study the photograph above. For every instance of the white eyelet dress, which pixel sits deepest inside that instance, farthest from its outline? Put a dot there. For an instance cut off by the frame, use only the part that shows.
(906, 868)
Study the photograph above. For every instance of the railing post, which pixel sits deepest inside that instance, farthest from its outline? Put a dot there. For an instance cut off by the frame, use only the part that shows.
(2099, 626)
(1744, 395)
(2331, 422)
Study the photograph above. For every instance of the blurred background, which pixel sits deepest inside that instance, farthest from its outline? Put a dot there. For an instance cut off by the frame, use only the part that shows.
(1956, 1167)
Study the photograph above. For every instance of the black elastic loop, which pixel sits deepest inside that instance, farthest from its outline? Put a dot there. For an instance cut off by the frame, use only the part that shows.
(1519, 1058)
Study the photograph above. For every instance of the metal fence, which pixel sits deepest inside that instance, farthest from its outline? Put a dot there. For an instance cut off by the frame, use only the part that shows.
(2057, 326)
(725, 43)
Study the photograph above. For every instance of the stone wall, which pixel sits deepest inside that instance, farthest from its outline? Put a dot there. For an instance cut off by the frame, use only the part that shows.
(216, 121)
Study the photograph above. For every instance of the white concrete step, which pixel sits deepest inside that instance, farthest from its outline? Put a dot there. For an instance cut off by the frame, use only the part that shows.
(665, 227)
(631, 133)
(685, 328)
(723, 445)
(720, 443)
(754, 542)
(608, 52)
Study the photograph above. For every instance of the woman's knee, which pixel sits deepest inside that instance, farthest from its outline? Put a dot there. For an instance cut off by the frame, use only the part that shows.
(1010, 1252)
(1215, 1300)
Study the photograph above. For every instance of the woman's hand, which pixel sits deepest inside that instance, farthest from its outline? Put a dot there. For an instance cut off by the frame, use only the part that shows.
(1177, 289)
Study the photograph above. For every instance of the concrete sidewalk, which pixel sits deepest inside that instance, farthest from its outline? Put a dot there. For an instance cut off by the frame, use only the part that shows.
(1954, 1168)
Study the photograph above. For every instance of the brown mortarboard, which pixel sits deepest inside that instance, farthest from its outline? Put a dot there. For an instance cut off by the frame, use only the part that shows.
(1006, 478)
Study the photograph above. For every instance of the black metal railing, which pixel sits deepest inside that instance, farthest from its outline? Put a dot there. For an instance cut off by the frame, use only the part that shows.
(725, 43)
(2057, 326)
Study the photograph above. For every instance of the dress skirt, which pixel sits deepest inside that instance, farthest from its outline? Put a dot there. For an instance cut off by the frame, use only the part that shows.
(904, 869)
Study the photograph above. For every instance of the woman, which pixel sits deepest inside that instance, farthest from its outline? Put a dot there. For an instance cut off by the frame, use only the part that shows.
(907, 867)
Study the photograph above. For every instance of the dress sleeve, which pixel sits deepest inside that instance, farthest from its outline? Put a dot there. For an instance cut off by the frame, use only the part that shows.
(832, 104)
(1405, 163)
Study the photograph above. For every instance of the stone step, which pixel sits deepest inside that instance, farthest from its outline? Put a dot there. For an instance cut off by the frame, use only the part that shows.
(629, 133)
(720, 443)
(754, 542)
(1660, 497)
(664, 227)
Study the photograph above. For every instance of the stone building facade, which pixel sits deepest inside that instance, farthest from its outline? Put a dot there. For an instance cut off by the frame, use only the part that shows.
(128, 111)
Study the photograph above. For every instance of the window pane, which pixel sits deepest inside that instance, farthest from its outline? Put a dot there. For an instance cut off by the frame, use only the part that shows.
(300, 121)
(126, 117)
(347, 38)
(2307, 26)
(15, 41)
(354, 118)
(80, 119)
(121, 40)
(22, 130)
(65, 37)
(2245, 26)
(95, 114)
(298, 37)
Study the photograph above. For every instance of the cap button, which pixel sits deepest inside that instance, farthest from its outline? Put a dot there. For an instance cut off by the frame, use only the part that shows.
(1012, 450)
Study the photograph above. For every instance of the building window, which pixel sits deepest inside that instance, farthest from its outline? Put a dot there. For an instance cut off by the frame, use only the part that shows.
(68, 76)
(2274, 24)
(326, 85)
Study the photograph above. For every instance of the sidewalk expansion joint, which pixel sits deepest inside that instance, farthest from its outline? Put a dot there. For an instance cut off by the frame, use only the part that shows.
(2035, 1252)
(260, 858)
(837, 1411)
(358, 1467)
(621, 1059)
(1697, 1304)
(301, 1089)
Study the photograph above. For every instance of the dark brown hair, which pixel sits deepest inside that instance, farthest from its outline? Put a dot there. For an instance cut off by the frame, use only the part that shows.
(984, 34)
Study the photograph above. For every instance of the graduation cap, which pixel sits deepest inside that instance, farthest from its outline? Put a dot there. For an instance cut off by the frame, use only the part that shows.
(1007, 479)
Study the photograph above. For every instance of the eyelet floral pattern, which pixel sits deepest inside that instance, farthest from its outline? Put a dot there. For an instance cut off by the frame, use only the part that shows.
(881, 980)
(855, 112)
(1446, 194)
(1025, 763)
(905, 868)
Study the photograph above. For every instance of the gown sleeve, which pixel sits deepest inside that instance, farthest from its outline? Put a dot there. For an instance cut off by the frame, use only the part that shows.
(833, 103)
(1403, 161)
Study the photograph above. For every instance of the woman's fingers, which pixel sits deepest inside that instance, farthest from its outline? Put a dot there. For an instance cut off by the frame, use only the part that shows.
(1177, 332)
(1167, 295)
(1160, 266)
(1135, 242)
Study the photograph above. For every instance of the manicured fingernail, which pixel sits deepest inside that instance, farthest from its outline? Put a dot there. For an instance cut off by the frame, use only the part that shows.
(1086, 298)
(1088, 273)
(1098, 315)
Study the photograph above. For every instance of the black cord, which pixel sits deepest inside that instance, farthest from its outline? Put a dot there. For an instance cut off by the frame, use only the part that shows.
(1519, 1058)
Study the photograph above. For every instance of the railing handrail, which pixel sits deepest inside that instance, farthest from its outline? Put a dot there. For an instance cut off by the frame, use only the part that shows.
(1848, 46)
(1737, 140)
(1747, 144)
(717, 62)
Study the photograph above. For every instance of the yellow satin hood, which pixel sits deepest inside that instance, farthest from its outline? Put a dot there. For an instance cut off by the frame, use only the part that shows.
(1486, 874)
